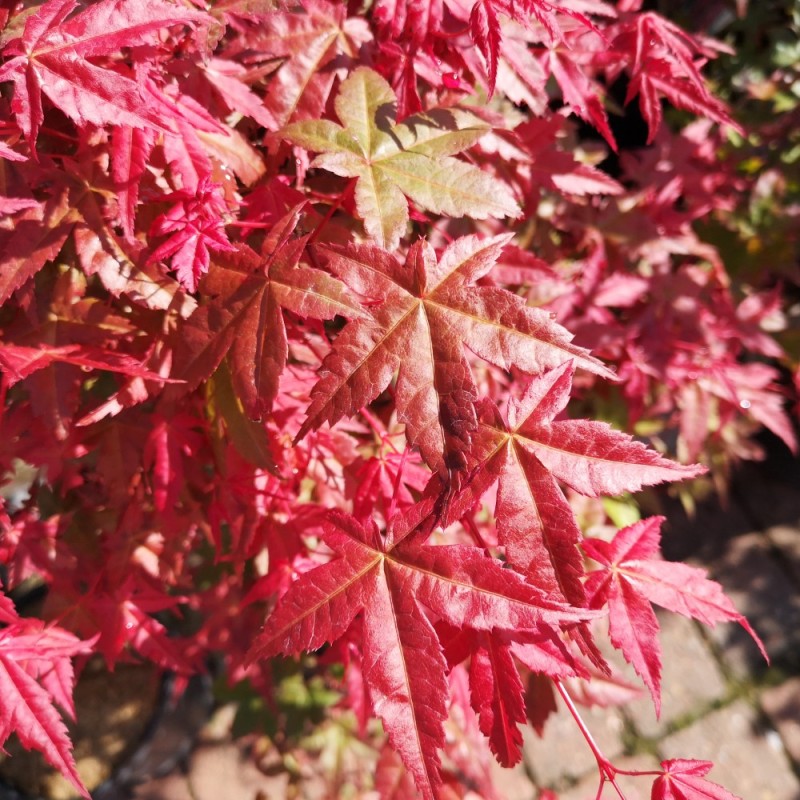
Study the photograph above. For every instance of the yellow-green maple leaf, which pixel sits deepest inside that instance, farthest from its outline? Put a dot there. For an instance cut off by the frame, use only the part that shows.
(393, 161)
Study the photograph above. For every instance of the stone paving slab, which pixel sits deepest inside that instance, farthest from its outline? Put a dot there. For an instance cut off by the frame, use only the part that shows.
(172, 787)
(749, 760)
(513, 783)
(762, 591)
(226, 770)
(782, 705)
(786, 541)
(633, 787)
(563, 753)
(691, 680)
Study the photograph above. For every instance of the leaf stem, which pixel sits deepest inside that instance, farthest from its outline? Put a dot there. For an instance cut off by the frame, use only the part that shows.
(607, 770)
(345, 195)
(472, 529)
(396, 488)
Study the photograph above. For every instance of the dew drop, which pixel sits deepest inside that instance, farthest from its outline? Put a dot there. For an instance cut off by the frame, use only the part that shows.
(744, 404)
(660, 230)
(129, 626)
(295, 471)
(652, 43)
(552, 315)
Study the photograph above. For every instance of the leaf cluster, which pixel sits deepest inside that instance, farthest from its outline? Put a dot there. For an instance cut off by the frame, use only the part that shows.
(313, 324)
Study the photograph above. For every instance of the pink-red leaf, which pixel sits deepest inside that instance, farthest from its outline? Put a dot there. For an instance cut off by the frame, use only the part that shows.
(497, 697)
(51, 57)
(632, 576)
(430, 313)
(684, 779)
(244, 320)
(26, 654)
(18, 361)
(485, 31)
(403, 665)
(37, 237)
(528, 454)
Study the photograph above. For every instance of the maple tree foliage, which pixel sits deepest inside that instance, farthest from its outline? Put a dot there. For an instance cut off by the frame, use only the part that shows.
(316, 321)
(632, 577)
(685, 778)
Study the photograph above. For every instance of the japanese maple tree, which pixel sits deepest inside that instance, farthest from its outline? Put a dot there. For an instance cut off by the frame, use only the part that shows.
(316, 319)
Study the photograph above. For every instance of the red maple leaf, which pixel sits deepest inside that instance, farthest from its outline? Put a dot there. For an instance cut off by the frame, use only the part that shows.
(580, 92)
(537, 15)
(36, 237)
(194, 225)
(35, 672)
(684, 779)
(53, 57)
(666, 63)
(498, 698)
(18, 361)
(244, 319)
(429, 312)
(314, 47)
(632, 577)
(529, 454)
(392, 580)
(129, 154)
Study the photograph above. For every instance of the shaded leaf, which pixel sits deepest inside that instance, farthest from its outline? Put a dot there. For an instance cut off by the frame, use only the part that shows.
(244, 319)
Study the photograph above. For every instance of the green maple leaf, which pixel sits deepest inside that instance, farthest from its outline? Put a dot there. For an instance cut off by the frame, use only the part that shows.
(392, 161)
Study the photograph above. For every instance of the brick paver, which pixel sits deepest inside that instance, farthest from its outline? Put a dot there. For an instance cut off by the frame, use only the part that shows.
(782, 705)
(686, 655)
(633, 787)
(761, 589)
(749, 759)
(563, 753)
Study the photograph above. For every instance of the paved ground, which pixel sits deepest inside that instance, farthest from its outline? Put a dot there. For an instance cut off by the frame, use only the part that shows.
(721, 701)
